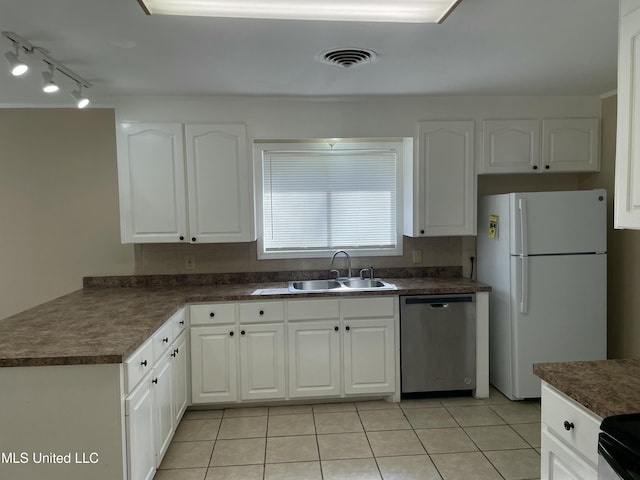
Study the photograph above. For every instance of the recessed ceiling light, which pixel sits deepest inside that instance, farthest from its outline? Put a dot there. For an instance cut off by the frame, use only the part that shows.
(407, 11)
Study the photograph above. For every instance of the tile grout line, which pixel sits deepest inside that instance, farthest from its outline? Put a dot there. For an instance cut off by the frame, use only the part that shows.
(315, 427)
(373, 454)
(403, 411)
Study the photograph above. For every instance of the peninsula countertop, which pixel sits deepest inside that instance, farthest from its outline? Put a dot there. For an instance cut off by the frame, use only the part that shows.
(106, 325)
(606, 387)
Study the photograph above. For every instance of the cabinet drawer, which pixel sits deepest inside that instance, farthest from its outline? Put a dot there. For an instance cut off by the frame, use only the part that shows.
(212, 313)
(256, 312)
(368, 307)
(583, 435)
(313, 309)
(162, 339)
(138, 365)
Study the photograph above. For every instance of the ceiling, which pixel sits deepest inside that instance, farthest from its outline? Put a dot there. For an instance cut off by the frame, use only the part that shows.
(485, 47)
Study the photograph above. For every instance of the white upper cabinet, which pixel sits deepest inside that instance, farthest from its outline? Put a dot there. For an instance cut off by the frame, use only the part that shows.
(218, 183)
(440, 186)
(157, 203)
(571, 145)
(627, 181)
(510, 146)
(151, 182)
(522, 146)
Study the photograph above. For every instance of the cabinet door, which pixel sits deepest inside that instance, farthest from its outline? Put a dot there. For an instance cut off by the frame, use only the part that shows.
(571, 145)
(151, 183)
(510, 146)
(369, 356)
(314, 359)
(262, 373)
(559, 462)
(218, 183)
(140, 424)
(446, 180)
(179, 377)
(627, 181)
(163, 395)
(213, 364)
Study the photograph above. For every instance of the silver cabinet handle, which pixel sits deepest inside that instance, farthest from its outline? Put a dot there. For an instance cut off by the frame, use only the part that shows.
(437, 306)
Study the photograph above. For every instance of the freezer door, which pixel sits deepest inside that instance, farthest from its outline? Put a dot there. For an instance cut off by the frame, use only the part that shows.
(558, 222)
(559, 314)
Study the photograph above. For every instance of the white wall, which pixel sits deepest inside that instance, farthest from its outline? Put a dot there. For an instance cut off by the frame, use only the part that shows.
(58, 204)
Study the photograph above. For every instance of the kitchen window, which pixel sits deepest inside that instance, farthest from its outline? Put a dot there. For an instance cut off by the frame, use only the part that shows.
(315, 197)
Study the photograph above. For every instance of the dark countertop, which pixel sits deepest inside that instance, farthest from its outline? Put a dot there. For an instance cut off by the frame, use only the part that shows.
(607, 387)
(106, 325)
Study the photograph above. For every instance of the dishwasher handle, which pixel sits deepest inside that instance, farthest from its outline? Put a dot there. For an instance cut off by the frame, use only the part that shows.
(437, 306)
(437, 302)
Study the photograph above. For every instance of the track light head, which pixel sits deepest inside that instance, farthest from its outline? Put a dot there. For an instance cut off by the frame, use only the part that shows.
(79, 98)
(16, 66)
(49, 85)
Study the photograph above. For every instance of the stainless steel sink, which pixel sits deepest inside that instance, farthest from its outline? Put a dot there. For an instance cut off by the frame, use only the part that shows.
(341, 284)
(363, 283)
(314, 285)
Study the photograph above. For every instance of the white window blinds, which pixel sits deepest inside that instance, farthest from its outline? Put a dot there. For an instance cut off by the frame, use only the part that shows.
(318, 200)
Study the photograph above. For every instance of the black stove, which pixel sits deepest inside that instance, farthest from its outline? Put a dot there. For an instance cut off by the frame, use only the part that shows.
(619, 448)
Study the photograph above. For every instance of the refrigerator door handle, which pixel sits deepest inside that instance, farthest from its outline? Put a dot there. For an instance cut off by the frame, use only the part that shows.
(524, 285)
(522, 206)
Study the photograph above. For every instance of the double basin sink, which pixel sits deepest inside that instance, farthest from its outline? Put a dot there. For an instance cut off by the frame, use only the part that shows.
(340, 284)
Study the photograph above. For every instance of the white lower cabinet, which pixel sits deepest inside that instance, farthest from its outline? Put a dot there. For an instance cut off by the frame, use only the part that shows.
(262, 373)
(314, 359)
(369, 364)
(234, 361)
(213, 364)
(163, 393)
(140, 423)
(290, 349)
(156, 402)
(569, 444)
(179, 377)
(352, 354)
(560, 462)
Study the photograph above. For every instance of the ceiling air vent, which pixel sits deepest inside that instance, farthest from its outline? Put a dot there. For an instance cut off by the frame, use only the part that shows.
(347, 57)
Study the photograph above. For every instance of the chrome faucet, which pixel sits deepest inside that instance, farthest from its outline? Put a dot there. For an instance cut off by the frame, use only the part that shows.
(368, 271)
(348, 261)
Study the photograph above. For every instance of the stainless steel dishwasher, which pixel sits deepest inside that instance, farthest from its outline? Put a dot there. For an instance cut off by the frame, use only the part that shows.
(437, 343)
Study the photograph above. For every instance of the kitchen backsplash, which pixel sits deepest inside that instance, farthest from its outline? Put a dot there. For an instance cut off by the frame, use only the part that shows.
(154, 259)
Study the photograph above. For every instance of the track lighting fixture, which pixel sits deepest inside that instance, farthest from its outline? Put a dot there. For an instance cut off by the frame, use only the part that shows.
(19, 67)
(16, 66)
(81, 100)
(49, 85)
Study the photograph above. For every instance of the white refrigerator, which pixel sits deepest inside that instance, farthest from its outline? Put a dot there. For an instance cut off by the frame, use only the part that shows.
(544, 255)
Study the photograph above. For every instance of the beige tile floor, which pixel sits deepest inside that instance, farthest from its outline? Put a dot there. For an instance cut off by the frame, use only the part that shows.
(431, 439)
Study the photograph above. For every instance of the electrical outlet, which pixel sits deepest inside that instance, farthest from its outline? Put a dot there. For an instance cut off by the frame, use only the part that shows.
(189, 262)
(417, 256)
